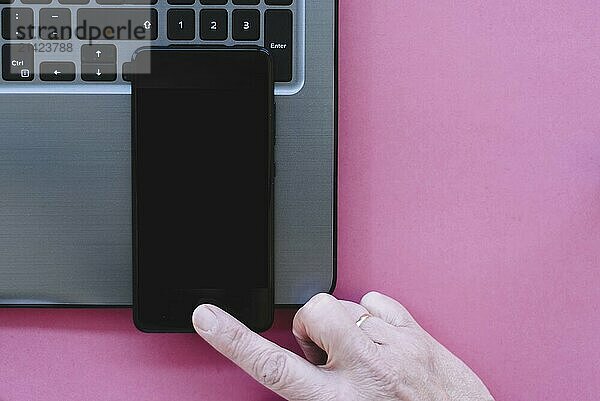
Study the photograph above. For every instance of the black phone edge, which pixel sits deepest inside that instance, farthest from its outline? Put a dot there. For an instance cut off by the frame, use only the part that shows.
(135, 292)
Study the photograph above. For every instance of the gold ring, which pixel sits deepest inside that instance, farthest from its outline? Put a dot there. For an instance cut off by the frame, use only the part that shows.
(362, 319)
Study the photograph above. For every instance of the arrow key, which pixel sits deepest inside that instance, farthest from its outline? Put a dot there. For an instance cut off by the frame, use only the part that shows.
(98, 72)
(98, 53)
(57, 71)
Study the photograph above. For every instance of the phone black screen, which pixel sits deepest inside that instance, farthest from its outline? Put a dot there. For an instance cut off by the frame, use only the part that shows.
(202, 181)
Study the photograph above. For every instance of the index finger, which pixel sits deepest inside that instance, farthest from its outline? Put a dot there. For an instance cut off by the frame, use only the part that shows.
(271, 365)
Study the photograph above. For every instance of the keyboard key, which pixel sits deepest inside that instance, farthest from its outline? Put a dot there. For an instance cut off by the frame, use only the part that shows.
(246, 24)
(103, 54)
(246, 2)
(57, 71)
(118, 2)
(98, 72)
(182, 2)
(55, 24)
(73, 1)
(278, 40)
(17, 62)
(278, 2)
(7, 1)
(213, 24)
(127, 71)
(181, 24)
(36, 1)
(17, 23)
(213, 2)
(117, 23)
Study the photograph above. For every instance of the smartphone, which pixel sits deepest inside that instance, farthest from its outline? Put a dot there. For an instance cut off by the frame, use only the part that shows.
(203, 170)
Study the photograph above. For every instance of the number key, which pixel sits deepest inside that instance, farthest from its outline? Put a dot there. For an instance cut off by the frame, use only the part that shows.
(246, 24)
(181, 24)
(213, 24)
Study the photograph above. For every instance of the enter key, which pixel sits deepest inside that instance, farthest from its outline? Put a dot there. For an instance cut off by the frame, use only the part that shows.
(279, 42)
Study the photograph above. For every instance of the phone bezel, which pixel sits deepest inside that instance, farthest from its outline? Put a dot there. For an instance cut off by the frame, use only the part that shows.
(263, 298)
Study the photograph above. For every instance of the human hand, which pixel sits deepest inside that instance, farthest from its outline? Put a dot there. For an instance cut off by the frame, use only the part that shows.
(389, 357)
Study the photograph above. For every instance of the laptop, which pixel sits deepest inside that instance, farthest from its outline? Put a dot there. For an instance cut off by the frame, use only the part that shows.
(65, 175)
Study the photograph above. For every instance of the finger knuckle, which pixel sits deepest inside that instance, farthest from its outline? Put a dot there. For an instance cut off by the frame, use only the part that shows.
(271, 369)
(401, 317)
(238, 338)
(314, 304)
(370, 296)
(319, 299)
(403, 320)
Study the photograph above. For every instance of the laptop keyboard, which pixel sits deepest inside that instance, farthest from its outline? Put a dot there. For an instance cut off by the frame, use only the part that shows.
(85, 46)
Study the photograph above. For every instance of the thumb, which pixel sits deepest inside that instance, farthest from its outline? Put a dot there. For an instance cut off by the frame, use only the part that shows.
(274, 367)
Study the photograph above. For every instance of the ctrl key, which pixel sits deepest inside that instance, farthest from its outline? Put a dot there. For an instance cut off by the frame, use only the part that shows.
(17, 62)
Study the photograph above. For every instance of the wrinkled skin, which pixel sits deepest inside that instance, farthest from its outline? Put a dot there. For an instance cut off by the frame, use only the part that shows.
(389, 357)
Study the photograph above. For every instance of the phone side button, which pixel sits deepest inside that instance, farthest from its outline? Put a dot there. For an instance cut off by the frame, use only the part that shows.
(274, 124)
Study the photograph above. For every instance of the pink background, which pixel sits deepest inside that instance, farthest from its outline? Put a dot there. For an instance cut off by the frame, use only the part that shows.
(469, 190)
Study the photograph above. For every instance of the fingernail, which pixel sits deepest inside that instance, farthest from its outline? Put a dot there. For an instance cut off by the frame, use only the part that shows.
(204, 319)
